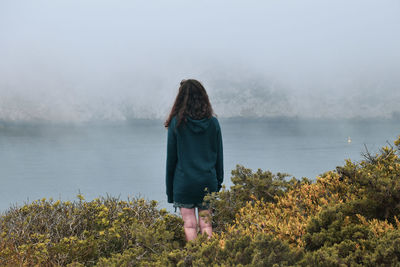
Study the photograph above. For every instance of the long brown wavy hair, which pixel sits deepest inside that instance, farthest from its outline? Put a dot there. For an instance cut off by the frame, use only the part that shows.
(192, 100)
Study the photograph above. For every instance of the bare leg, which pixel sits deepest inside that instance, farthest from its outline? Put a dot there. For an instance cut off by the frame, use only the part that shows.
(205, 222)
(189, 223)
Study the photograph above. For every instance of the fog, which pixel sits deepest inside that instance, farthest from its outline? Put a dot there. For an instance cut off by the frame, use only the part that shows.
(81, 60)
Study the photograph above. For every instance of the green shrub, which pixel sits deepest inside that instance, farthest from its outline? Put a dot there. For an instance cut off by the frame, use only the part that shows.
(375, 183)
(382, 250)
(263, 250)
(58, 233)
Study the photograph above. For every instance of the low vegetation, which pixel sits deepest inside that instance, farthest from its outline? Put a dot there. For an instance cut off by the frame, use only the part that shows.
(346, 217)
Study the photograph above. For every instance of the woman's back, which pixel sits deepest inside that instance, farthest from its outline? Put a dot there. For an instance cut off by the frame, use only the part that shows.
(196, 146)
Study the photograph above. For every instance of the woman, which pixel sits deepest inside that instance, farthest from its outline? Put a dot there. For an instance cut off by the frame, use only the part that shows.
(194, 156)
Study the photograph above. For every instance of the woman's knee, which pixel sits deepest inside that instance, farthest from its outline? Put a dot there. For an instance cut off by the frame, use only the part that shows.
(190, 223)
(204, 218)
(189, 218)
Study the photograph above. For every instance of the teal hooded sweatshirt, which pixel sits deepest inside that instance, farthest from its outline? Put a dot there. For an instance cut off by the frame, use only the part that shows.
(194, 160)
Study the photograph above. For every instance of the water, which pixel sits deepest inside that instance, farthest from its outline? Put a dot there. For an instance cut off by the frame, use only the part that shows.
(128, 159)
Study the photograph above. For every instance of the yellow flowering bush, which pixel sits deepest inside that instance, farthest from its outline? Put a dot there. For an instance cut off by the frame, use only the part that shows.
(287, 217)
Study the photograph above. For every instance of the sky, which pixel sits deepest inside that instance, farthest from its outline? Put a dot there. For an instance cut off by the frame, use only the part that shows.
(84, 60)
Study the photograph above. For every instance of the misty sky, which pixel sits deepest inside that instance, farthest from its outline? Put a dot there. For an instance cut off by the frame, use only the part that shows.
(81, 60)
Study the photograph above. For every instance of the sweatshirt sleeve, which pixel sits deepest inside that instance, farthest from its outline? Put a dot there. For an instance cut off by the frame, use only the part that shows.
(171, 161)
(219, 166)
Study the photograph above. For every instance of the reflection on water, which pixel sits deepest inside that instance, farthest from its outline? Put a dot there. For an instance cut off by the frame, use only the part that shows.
(126, 159)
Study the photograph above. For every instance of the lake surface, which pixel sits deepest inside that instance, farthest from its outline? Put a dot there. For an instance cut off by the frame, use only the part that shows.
(128, 159)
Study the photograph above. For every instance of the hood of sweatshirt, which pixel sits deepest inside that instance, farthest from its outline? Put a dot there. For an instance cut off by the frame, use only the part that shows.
(198, 126)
